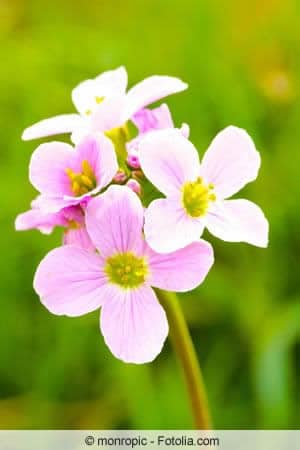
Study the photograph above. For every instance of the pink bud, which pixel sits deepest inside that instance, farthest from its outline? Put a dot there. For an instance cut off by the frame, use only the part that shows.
(134, 186)
(120, 176)
(133, 159)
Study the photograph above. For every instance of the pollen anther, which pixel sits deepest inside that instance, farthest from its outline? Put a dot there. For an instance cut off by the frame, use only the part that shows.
(126, 270)
(82, 182)
(196, 197)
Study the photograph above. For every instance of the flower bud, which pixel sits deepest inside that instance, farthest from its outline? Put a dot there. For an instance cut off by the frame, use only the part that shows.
(133, 159)
(135, 186)
(120, 176)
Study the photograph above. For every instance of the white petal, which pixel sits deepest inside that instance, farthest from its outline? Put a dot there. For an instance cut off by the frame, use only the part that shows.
(134, 324)
(150, 90)
(238, 221)
(168, 228)
(230, 162)
(168, 160)
(65, 123)
(108, 84)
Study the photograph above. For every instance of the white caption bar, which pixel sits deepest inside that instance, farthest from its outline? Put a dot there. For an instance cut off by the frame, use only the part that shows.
(138, 439)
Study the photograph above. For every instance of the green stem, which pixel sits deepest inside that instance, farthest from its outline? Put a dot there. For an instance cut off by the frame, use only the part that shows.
(187, 357)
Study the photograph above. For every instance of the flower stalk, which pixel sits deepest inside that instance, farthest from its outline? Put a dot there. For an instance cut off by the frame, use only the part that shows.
(187, 358)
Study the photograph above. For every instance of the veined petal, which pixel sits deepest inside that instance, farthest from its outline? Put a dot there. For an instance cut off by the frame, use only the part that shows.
(168, 228)
(134, 324)
(65, 123)
(183, 269)
(168, 160)
(69, 281)
(47, 168)
(238, 221)
(150, 90)
(115, 220)
(230, 162)
(78, 237)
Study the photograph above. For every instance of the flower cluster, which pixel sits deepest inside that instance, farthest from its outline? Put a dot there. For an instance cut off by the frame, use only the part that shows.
(120, 238)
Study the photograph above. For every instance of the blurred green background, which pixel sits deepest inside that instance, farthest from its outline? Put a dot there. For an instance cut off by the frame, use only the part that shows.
(242, 62)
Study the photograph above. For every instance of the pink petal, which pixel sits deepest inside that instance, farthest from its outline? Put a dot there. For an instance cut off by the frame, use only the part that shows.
(114, 221)
(239, 221)
(107, 84)
(182, 270)
(49, 205)
(35, 218)
(150, 90)
(47, 168)
(64, 123)
(69, 281)
(230, 162)
(153, 119)
(134, 325)
(78, 237)
(168, 160)
(168, 228)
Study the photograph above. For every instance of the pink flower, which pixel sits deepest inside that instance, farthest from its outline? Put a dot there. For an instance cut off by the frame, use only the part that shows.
(103, 104)
(196, 194)
(146, 121)
(70, 218)
(119, 278)
(76, 233)
(66, 177)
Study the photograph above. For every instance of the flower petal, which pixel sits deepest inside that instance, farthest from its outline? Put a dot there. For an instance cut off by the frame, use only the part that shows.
(150, 90)
(134, 325)
(239, 221)
(230, 162)
(182, 270)
(79, 237)
(108, 114)
(69, 281)
(49, 205)
(64, 123)
(107, 84)
(35, 218)
(153, 119)
(47, 168)
(114, 221)
(168, 228)
(168, 160)
(113, 82)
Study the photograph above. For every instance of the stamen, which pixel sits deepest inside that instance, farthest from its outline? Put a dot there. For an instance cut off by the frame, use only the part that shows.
(82, 182)
(196, 197)
(126, 270)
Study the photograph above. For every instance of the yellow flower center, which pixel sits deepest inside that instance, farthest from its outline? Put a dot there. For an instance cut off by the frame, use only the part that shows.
(196, 197)
(84, 181)
(126, 270)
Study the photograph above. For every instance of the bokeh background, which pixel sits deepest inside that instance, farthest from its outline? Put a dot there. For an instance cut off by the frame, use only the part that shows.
(242, 62)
